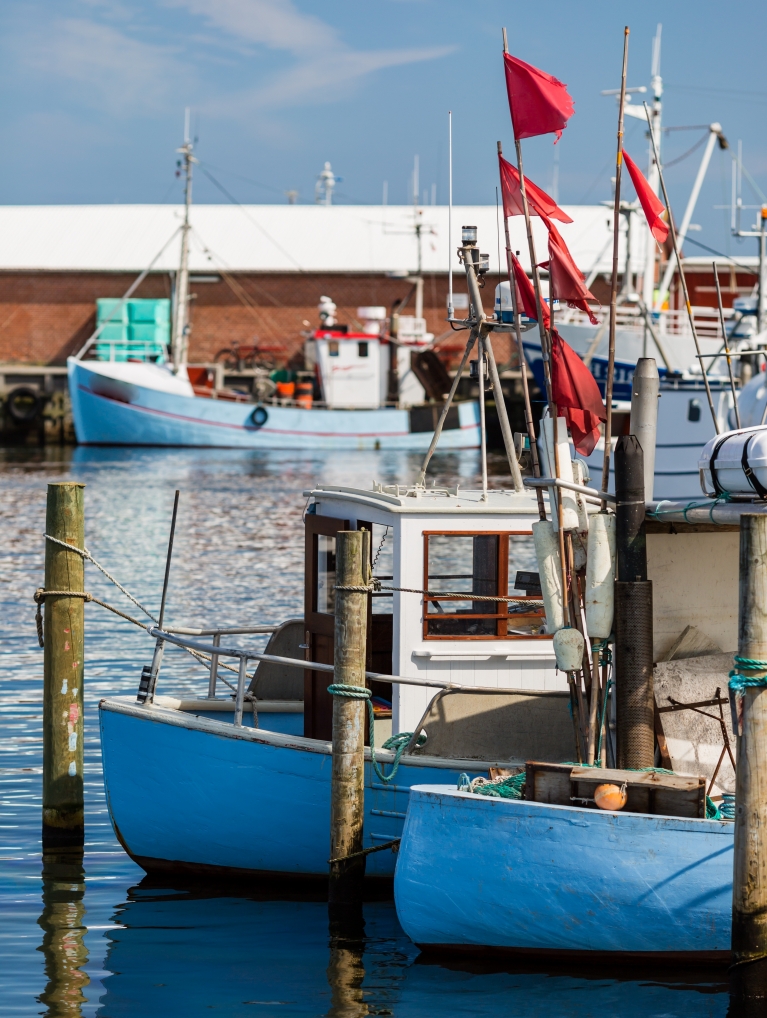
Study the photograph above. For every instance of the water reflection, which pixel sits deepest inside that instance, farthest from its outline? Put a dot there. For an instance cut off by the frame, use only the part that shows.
(63, 924)
(183, 952)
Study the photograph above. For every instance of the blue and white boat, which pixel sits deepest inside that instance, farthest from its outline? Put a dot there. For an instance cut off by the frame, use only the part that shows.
(364, 389)
(192, 785)
(533, 878)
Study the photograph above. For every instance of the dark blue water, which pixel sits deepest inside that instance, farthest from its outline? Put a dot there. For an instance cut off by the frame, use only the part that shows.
(92, 936)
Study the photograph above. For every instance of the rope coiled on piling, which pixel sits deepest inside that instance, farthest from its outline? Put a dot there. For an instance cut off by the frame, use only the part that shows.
(398, 743)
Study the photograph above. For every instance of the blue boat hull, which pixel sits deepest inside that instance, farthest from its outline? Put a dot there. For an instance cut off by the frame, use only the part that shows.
(130, 414)
(539, 879)
(187, 793)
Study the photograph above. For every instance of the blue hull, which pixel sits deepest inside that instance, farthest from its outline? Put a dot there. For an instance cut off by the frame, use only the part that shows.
(188, 793)
(533, 878)
(130, 414)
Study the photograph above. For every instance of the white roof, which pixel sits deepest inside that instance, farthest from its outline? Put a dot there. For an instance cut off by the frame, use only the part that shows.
(403, 498)
(276, 238)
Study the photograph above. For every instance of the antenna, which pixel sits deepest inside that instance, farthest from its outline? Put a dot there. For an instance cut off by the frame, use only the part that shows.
(449, 214)
(415, 180)
(655, 69)
(187, 120)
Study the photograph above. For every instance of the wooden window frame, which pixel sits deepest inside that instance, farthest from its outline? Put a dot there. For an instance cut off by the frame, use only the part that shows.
(502, 618)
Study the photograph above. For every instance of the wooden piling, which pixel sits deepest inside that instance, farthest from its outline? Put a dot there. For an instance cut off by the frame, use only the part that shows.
(63, 822)
(347, 868)
(749, 889)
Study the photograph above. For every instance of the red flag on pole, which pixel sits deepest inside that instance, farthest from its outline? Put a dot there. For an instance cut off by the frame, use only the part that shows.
(539, 103)
(650, 202)
(566, 281)
(527, 293)
(576, 395)
(539, 203)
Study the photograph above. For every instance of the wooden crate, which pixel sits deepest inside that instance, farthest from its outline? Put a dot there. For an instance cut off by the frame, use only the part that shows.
(672, 795)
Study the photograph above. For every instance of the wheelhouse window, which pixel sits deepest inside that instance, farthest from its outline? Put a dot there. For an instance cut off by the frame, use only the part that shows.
(486, 565)
(326, 575)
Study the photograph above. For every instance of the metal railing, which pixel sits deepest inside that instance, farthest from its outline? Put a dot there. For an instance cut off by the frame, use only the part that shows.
(673, 322)
(216, 651)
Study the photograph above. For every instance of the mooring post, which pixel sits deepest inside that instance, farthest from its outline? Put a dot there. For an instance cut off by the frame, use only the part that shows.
(635, 697)
(645, 391)
(63, 822)
(347, 868)
(749, 888)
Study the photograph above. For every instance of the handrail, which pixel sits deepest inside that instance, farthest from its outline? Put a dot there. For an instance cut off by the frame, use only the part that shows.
(216, 651)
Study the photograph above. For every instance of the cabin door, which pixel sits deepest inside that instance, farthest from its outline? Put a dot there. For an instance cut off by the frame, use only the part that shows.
(319, 615)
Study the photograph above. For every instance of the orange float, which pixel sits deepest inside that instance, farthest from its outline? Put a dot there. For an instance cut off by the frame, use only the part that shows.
(611, 797)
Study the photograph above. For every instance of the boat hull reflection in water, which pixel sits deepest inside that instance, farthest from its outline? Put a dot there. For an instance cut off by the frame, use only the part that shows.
(180, 952)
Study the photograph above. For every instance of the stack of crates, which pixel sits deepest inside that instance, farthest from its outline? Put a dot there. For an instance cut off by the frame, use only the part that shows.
(139, 330)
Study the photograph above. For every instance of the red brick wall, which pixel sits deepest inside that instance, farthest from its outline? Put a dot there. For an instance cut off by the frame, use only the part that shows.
(44, 316)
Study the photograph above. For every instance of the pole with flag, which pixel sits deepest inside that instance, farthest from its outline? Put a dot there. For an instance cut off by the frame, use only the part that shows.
(538, 104)
(614, 282)
(682, 278)
(520, 348)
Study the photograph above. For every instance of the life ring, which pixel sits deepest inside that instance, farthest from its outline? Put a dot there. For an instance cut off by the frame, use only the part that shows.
(259, 417)
(23, 405)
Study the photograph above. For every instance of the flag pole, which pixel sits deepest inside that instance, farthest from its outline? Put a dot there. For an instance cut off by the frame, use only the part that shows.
(546, 354)
(682, 278)
(449, 214)
(522, 360)
(533, 260)
(726, 346)
(614, 282)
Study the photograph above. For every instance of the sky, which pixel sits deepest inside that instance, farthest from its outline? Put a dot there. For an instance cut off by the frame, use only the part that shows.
(94, 94)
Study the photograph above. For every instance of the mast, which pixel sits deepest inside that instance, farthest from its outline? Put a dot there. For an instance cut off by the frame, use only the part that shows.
(180, 339)
(656, 84)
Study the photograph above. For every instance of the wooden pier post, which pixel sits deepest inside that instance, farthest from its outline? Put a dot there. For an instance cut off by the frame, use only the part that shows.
(347, 868)
(749, 889)
(63, 822)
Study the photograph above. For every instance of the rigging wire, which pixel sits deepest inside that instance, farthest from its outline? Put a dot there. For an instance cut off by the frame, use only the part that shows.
(233, 200)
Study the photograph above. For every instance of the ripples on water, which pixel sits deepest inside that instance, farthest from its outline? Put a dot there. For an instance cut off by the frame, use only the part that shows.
(93, 936)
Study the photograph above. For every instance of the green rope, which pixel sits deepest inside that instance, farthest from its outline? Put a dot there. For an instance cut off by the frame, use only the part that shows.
(739, 683)
(511, 787)
(398, 743)
(602, 719)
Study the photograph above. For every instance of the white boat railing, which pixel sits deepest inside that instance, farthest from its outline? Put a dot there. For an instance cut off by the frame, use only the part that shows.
(673, 322)
(179, 638)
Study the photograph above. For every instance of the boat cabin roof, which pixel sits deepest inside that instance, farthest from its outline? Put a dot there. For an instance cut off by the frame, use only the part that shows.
(457, 501)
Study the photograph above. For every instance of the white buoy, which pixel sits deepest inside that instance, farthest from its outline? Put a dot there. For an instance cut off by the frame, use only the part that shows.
(547, 554)
(568, 650)
(599, 595)
(569, 507)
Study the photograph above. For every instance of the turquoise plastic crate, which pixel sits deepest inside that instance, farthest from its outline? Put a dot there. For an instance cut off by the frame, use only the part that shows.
(106, 309)
(139, 330)
(146, 311)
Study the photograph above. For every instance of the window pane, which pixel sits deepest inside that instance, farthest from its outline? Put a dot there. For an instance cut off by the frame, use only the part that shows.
(383, 557)
(459, 563)
(326, 574)
(524, 581)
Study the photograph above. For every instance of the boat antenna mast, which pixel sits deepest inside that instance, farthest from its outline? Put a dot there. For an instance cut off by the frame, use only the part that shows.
(180, 339)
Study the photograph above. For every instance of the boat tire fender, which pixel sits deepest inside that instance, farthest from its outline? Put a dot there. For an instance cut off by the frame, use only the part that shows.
(23, 405)
(259, 417)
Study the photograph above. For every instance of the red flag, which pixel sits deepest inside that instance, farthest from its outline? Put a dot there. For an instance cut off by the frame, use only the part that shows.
(539, 203)
(539, 103)
(576, 394)
(527, 294)
(650, 202)
(566, 281)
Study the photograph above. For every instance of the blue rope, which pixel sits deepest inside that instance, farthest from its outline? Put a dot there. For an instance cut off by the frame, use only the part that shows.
(710, 504)
(398, 742)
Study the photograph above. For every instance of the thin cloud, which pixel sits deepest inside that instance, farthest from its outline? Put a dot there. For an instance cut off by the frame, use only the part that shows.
(119, 71)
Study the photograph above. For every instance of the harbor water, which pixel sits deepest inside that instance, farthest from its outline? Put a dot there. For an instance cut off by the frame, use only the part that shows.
(93, 936)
